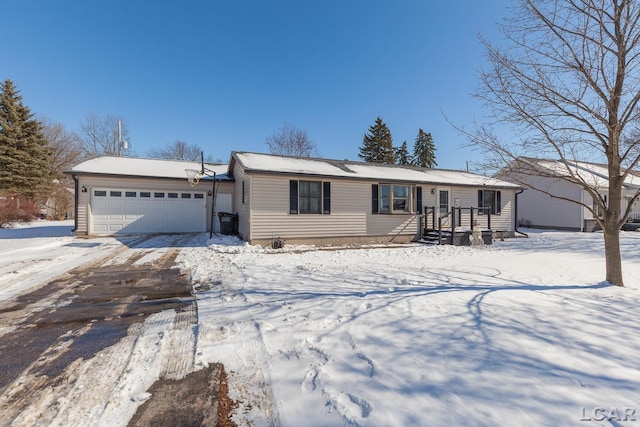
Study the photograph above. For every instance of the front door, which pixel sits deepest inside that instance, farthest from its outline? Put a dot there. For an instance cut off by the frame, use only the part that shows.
(444, 205)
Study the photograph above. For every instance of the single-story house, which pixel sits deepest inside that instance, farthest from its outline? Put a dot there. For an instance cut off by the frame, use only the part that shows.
(552, 189)
(292, 199)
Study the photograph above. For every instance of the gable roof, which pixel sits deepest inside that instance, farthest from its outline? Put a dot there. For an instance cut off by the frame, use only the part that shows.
(276, 164)
(152, 168)
(595, 175)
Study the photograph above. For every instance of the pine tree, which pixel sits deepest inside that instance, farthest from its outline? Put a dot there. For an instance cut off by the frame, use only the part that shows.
(24, 153)
(402, 155)
(424, 150)
(377, 144)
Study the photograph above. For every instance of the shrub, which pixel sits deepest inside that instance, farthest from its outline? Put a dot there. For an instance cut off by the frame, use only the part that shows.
(14, 209)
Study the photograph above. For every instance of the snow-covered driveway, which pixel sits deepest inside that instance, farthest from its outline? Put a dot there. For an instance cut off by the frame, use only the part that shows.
(88, 325)
(519, 333)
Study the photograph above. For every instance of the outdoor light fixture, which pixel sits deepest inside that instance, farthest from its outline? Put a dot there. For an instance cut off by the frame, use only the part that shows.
(84, 188)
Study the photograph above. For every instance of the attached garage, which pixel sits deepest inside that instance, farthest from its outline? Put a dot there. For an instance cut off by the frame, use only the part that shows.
(120, 195)
(118, 211)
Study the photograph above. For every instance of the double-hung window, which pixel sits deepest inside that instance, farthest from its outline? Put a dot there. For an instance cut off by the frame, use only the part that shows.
(387, 198)
(309, 197)
(489, 201)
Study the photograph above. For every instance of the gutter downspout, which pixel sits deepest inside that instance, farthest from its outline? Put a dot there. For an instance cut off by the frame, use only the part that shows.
(75, 201)
(516, 215)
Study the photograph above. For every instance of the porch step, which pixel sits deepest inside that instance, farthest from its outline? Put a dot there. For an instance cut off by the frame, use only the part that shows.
(430, 237)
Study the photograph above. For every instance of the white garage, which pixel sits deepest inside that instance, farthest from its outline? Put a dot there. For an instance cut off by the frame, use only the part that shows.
(124, 195)
(119, 211)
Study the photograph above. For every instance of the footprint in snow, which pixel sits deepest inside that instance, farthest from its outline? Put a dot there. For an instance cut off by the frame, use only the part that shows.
(309, 383)
(352, 407)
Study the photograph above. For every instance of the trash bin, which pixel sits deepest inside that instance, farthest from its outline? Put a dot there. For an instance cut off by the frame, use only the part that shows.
(228, 223)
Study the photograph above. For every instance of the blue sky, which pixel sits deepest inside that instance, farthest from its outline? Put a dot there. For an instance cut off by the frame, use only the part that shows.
(227, 74)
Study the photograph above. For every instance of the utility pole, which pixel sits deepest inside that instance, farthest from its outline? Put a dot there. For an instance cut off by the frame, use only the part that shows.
(122, 145)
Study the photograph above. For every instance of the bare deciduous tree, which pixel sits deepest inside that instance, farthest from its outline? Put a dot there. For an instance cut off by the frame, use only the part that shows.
(179, 150)
(65, 147)
(99, 136)
(566, 84)
(291, 141)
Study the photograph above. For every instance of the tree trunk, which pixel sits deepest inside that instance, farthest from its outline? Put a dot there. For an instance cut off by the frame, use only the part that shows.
(611, 224)
(613, 260)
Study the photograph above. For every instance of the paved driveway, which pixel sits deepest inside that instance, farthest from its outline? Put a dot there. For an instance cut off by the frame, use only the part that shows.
(47, 334)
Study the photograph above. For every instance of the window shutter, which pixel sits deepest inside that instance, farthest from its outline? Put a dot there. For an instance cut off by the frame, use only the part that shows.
(243, 192)
(480, 210)
(326, 197)
(374, 198)
(293, 197)
(498, 202)
(419, 199)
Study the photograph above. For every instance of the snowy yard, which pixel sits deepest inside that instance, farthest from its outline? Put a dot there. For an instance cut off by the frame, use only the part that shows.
(522, 332)
(519, 333)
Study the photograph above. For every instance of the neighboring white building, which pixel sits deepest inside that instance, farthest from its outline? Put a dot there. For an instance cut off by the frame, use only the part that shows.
(547, 200)
(300, 200)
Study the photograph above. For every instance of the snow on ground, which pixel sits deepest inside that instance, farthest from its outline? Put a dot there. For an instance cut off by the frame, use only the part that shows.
(523, 332)
(107, 389)
(33, 253)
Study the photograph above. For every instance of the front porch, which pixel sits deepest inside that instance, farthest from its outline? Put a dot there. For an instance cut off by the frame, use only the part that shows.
(455, 227)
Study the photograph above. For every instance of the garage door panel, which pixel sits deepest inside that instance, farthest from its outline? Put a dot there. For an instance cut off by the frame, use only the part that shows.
(128, 215)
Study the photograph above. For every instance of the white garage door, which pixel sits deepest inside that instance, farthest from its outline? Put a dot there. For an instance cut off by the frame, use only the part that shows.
(116, 211)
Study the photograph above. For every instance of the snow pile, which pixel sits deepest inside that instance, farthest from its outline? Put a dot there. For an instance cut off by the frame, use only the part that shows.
(522, 332)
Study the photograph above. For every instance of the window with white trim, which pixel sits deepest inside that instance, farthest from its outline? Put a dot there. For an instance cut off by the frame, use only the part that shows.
(309, 197)
(489, 201)
(388, 198)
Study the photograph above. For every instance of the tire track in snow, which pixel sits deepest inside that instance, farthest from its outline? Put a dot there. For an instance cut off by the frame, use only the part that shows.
(182, 345)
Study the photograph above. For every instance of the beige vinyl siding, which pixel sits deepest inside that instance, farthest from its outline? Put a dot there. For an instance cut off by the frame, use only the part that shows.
(270, 215)
(83, 211)
(468, 197)
(243, 210)
(350, 212)
(151, 184)
(392, 224)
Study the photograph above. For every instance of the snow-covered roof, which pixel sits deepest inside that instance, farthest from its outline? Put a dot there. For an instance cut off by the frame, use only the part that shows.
(270, 163)
(153, 168)
(631, 180)
(593, 174)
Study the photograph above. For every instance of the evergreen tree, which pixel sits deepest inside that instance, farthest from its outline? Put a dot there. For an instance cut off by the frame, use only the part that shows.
(377, 144)
(424, 150)
(402, 155)
(24, 152)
